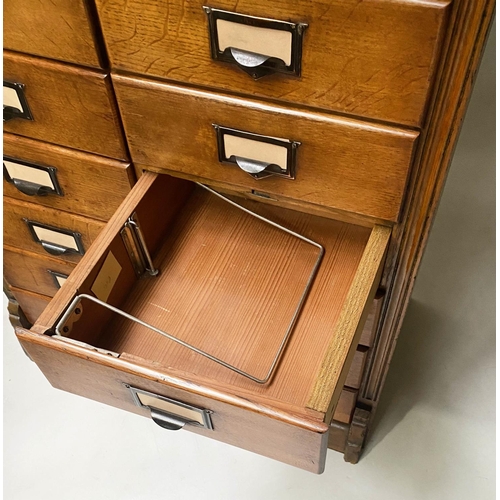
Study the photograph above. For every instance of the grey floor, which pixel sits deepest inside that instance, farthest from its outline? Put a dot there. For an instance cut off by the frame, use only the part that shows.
(435, 430)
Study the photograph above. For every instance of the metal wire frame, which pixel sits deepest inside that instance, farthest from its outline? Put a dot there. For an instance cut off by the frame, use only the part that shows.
(272, 368)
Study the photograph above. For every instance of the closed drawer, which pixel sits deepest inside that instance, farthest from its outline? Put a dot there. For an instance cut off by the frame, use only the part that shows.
(32, 304)
(372, 59)
(47, 231)
(344, 164)
(34, 272)
(228, 284)
(57, 29)
(61, 104)
(64, 179)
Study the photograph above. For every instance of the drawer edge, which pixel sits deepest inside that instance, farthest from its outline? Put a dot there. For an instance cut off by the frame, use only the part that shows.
(332, 374)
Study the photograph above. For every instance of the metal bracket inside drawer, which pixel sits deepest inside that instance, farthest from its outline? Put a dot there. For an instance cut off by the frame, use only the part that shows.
(137, 249)
(68, 316)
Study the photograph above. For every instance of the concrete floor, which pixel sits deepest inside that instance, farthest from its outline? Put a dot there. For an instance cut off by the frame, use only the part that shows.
(435, 431)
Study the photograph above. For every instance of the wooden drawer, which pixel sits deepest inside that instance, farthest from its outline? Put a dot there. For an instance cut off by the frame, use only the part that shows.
(219, 291)
(57, 29)
(34, 272)
(372, 59)
(32, 304)
(63, 230)
(70, 180)
(69, 106)
(341, 163)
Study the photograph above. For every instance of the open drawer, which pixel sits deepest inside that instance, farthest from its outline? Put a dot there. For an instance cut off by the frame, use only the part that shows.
(282, 316)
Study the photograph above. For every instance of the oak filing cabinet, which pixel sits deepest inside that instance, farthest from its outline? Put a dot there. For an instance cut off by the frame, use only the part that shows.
(214, 218)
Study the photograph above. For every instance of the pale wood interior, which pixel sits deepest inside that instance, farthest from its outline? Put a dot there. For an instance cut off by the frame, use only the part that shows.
(229, 284)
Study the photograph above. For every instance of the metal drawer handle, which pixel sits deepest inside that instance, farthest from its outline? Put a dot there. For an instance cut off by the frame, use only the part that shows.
(31, 188)
(55, 249)
(258, 155)
(30, 178)
(252, 167)
(248, 59)
(54, 240)
(257, 45)
(167, 421)
(10, 112)
(162, 410)
(15, 104)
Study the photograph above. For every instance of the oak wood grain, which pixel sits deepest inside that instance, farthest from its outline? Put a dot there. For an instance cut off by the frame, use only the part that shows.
(57, 29)
(92, 185)
(373, 59)
(31, 303)
(29, 270)
(71, 106)
(17, 234)
(342, 163)
(274, 199)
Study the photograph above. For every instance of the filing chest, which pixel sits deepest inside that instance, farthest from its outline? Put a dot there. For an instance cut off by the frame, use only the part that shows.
(264, 313)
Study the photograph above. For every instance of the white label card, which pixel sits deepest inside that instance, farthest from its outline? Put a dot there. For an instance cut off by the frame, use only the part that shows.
(26, 173)
(255, 150)
(51, 236)
(264, 41)
(10, 98)
(106, 279)
(60, 280)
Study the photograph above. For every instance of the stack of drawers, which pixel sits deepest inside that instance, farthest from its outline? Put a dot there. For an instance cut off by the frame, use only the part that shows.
(312, 114)
(356, 110)
(66, 166)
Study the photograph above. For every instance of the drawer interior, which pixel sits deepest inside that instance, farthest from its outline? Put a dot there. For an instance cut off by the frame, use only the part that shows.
(228, 284)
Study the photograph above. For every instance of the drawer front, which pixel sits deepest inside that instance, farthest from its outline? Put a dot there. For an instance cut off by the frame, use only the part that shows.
(373, 59)
(64, 179)
(46, 231)
(34, 272)
(31, 303)
(57, 29)
(344, 164)
(236, 422)
(68, 106)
